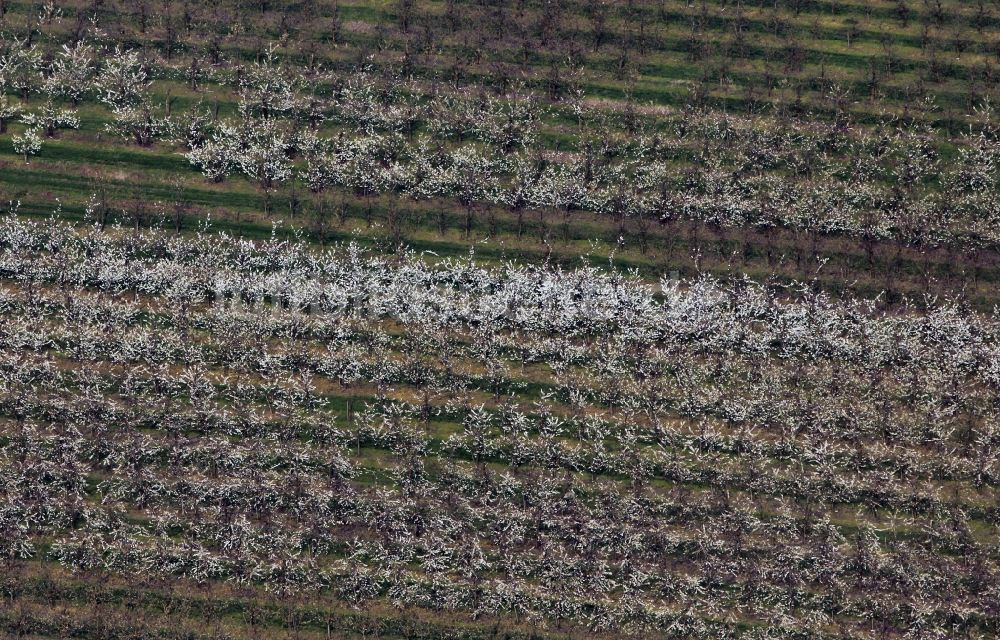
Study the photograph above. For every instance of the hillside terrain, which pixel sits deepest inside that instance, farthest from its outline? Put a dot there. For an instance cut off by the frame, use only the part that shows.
(515, 319)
